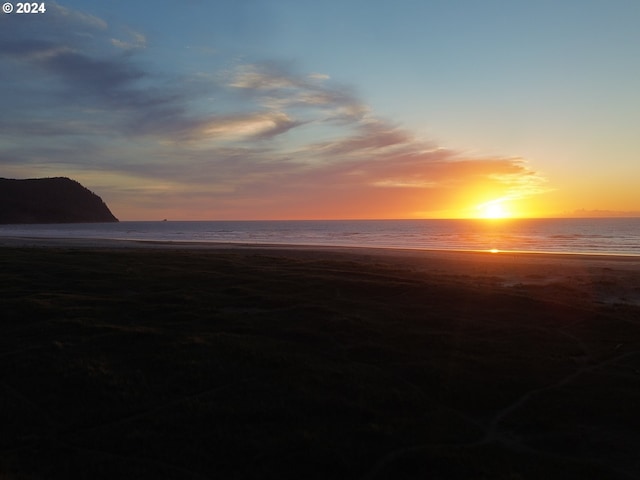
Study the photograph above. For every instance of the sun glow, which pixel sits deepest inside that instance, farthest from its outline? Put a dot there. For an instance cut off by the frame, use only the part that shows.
(494, 209)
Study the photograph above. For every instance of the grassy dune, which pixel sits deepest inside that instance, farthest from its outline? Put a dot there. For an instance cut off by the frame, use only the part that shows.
(269, 363)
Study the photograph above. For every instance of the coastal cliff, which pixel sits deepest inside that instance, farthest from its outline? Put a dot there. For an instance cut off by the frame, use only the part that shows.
(50, 200)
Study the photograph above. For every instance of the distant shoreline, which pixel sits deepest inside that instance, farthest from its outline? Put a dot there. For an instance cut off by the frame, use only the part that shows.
(100, 243)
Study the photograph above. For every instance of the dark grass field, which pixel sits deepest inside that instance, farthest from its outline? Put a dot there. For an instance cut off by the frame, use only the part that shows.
(289, 364)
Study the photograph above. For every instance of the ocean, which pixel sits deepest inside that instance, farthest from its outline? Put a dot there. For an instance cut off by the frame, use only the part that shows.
(606, 236)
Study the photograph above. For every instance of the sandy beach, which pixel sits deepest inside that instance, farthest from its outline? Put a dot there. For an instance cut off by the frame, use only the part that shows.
(148, 360)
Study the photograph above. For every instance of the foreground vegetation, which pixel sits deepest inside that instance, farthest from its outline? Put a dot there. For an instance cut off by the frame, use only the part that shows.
(272, 364)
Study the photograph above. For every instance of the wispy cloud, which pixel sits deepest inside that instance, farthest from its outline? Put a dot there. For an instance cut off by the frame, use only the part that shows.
(73, 18)
(276, 87)
(177, 127)
(131, 40)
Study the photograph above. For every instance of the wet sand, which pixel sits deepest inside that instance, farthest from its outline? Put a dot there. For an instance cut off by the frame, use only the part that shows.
(128, 360)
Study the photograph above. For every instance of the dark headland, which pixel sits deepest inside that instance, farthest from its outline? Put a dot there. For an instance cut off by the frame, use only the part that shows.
(50, 200)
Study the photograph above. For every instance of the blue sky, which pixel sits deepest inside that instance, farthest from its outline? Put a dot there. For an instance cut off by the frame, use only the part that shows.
(336, 109)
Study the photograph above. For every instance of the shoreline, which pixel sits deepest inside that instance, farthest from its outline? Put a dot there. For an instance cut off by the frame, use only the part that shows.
(618, 274)
(89, 243)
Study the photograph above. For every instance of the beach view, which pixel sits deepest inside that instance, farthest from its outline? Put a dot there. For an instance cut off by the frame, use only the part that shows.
(337, 240)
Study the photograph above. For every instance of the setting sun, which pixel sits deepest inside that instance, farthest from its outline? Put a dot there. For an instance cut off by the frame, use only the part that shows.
(494, 209)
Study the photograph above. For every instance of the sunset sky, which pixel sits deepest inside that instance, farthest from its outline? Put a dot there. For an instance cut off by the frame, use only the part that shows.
(294, 109)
